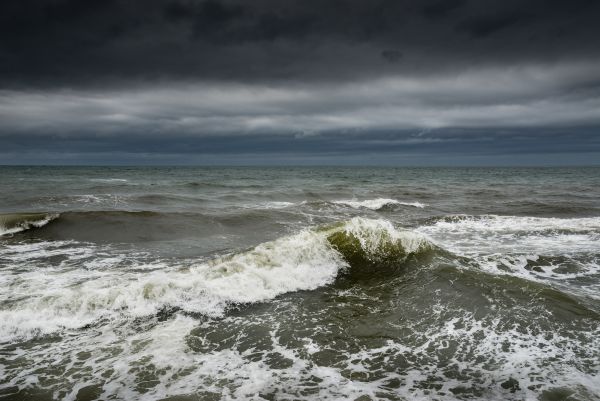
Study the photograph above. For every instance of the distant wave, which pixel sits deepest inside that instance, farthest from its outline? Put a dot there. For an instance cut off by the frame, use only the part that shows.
(377, 204)
(372, 204)
(274, 205)
(16, 222)
(108, 180)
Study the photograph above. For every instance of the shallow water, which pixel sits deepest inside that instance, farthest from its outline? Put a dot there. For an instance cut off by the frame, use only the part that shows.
(299, 283)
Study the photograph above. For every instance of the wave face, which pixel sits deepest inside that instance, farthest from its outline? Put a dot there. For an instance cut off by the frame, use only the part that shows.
(299, 284)
(17, 222)
(374, 248)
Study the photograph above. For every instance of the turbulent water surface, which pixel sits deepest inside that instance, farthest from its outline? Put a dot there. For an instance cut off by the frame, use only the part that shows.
(299, 284)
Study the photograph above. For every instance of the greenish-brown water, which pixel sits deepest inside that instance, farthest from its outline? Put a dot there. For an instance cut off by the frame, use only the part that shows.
(299, 283)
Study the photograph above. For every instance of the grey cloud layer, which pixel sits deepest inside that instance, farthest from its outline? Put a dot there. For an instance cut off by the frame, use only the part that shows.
(531, 96)
(522, 116)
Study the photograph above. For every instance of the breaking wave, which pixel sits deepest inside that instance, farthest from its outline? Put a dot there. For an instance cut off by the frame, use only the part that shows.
(305, 261)
(16, 222)
(377, 204)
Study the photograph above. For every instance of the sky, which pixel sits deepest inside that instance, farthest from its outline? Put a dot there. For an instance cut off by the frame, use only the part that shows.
(300, 82)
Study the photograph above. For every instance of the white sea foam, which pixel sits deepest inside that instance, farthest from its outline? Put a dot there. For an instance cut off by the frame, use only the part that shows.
(475, 235)
(273, 205)
(377, 204)
(509, 244)
(108, 180)
(536, 359)
(97, 200)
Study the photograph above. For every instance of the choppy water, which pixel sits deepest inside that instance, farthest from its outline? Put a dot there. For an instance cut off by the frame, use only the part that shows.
(299, 283)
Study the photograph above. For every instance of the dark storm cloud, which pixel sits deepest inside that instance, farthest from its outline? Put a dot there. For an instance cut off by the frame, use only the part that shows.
(313, 79)
(74, 42)
(441, 8)
(479, 27)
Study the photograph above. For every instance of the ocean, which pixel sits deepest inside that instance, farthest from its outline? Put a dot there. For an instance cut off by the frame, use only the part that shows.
(299, 283)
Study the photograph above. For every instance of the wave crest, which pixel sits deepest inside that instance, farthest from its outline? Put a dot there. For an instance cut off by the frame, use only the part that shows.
(377, 204)
(16, 222)
(372, 247)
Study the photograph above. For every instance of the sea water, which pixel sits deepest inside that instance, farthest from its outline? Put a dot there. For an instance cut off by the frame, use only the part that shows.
(307, 283)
